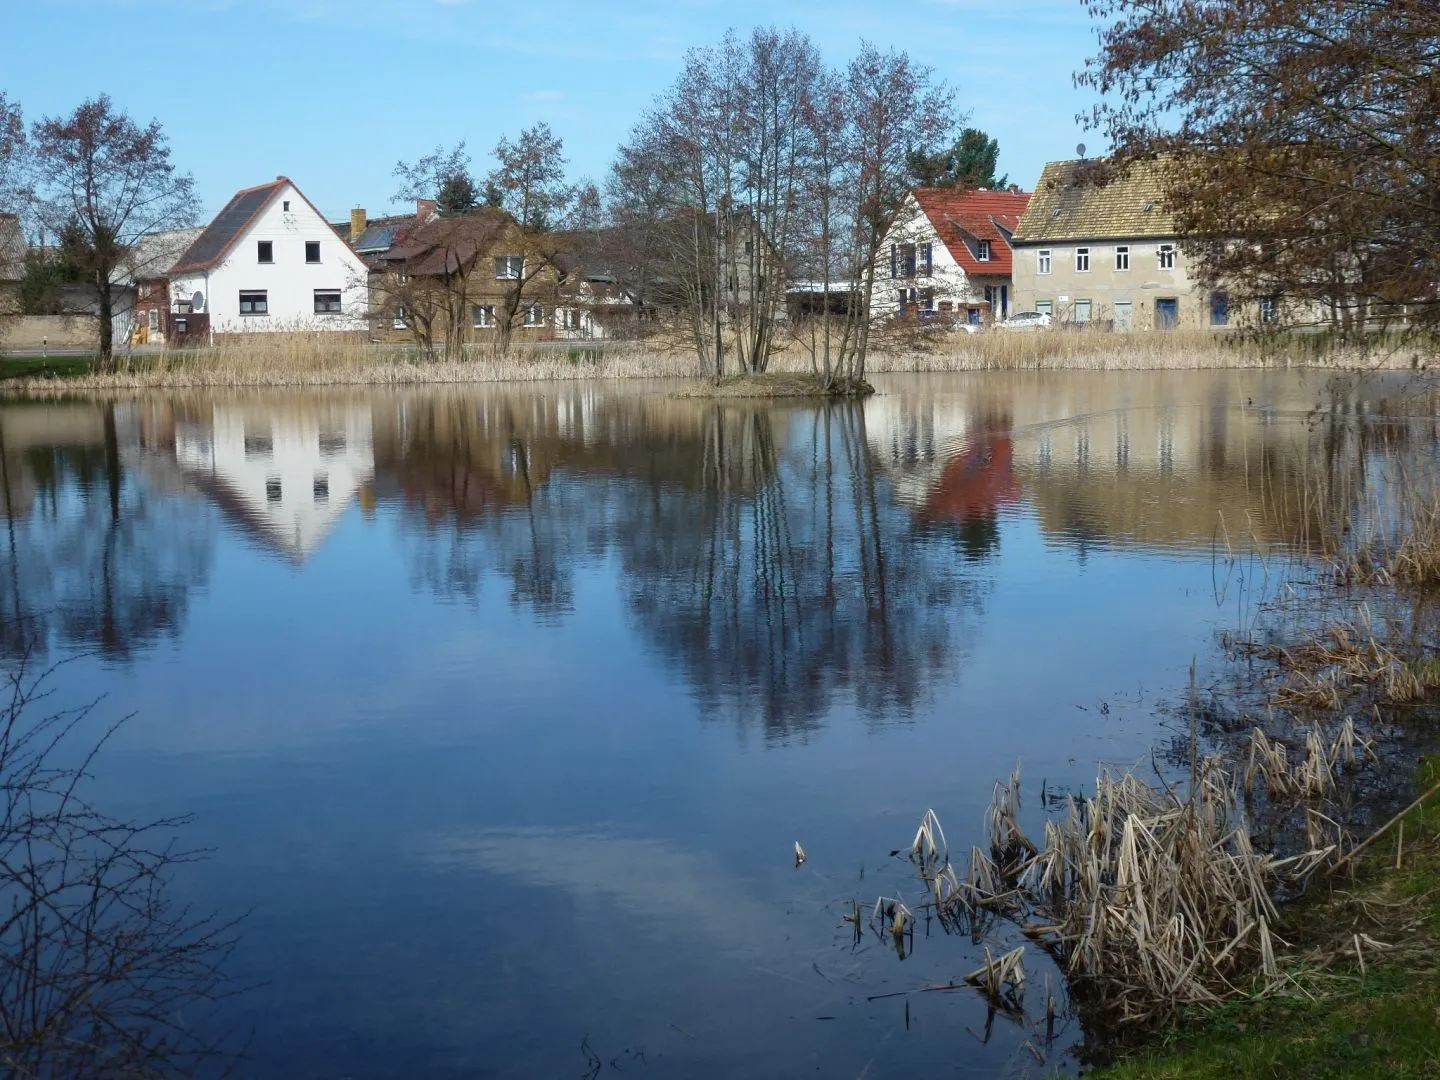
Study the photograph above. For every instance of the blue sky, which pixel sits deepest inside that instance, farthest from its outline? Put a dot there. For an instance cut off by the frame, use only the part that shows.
(332, 92)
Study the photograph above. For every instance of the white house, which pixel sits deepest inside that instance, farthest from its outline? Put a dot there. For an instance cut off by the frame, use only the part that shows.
(270, 261)
(948, 254)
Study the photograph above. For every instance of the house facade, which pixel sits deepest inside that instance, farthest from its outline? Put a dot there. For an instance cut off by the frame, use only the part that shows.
(949, 255)
(268, 262)
(468, 273)
(1096, 247)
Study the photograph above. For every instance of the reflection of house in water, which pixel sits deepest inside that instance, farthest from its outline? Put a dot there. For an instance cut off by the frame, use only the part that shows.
(1166, 460)
(287, 473)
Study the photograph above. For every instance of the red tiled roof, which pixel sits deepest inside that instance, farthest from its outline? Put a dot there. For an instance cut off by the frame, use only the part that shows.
(959, 215)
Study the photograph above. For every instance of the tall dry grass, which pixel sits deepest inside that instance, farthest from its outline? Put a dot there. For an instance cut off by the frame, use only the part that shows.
(326, 360)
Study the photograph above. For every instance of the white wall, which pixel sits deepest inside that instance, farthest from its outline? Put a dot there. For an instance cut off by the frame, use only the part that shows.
(290, 282)
(946, 278)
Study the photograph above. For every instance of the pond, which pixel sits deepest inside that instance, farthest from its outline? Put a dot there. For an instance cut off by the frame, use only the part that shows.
(500, 709)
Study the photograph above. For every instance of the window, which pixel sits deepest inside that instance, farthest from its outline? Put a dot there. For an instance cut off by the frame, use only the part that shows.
(983, 252)
(927, 254)
(1219, 308)
(1045, 307)
(254, 302)
(152, 321)
(509, 267)
(927, 299)
(572, 319)
(484, 316)
(399, 323)
(312, 251)
(1122, 258)
(907, 260)
(181, 324)
(285, 205)
(184, 307)
(272, 489)
(534, 315)
(1082, 260)
(1042, 261)
(1269, 309)
(321, 488)
(1166, 255)
(1082, 312)
(327, 301)
(264, 251)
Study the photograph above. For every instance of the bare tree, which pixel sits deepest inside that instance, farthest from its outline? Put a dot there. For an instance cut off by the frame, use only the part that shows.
(101, 174)
(760, 166)
(100, 963)
(442, 175)
(12, 151)
(529, 183)
(1302, 142)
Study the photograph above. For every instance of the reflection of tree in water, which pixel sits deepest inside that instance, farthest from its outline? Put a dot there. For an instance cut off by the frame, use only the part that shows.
(811, 583)
(477, 506)
(774, 568)
(91, 558)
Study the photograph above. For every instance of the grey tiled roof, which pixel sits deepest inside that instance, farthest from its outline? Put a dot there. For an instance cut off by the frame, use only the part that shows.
(212, 244)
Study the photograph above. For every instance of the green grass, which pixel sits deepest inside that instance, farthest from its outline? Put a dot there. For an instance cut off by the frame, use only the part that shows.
(1384, 1023)
(43, 367)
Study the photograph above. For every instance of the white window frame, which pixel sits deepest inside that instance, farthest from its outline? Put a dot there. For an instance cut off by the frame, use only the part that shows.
(1122, 259)
(399, 320)
(534, 315)
(1082, 260)
(1045, 307)
(1044, 261)
(982, 250)
(1089, 312)
(1165, 256)
(509, 267)
(483, 316)
(1269, 310)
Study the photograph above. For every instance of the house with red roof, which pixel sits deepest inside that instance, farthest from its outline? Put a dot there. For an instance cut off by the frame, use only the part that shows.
(269, 261)
(948, 256)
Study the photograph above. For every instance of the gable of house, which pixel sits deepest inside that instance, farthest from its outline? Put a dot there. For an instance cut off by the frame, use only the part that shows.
(963, 219)
(1095, 200)
(218, 238)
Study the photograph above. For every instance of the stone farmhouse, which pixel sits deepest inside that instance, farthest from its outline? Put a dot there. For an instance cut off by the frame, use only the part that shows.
(1096, 247)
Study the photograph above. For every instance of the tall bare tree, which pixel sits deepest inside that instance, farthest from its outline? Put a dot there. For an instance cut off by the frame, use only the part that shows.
(12, 151)
(442, 175)
(111, 181)
(529, 183)
(760, 166)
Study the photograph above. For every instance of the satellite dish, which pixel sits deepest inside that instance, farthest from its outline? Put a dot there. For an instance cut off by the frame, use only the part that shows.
(197, 302)
(1080, 149)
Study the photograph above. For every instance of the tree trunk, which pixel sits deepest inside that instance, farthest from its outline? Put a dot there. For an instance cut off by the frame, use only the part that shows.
(107, 331)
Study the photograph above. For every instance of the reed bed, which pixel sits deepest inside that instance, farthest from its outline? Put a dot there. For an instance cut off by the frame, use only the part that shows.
(1151, 897)
(323, 360)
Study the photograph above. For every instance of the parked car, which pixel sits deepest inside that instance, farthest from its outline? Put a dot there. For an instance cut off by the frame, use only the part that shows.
(1026, 320)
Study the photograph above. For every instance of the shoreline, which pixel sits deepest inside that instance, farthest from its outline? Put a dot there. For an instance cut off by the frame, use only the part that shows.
(308, 363)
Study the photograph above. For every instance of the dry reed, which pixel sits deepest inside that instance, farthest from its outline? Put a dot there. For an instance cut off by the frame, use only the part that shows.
(318, 359)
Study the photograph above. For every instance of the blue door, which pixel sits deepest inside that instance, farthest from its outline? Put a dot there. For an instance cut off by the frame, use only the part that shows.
(1167, 313)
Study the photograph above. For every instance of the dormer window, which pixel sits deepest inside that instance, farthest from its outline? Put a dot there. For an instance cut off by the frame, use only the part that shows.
(983, 250)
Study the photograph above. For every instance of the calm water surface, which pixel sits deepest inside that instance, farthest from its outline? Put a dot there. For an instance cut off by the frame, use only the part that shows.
(501, 708)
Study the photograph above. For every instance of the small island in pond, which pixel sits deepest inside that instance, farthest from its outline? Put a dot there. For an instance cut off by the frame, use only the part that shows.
(780, 385)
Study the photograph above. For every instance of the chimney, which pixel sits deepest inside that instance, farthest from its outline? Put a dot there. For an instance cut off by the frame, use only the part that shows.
(357, 223)
(425, 209)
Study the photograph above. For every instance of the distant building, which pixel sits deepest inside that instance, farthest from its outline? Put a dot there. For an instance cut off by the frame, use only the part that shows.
(1096, 246)
(948, 254)
(269, 262)
(142, 301)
